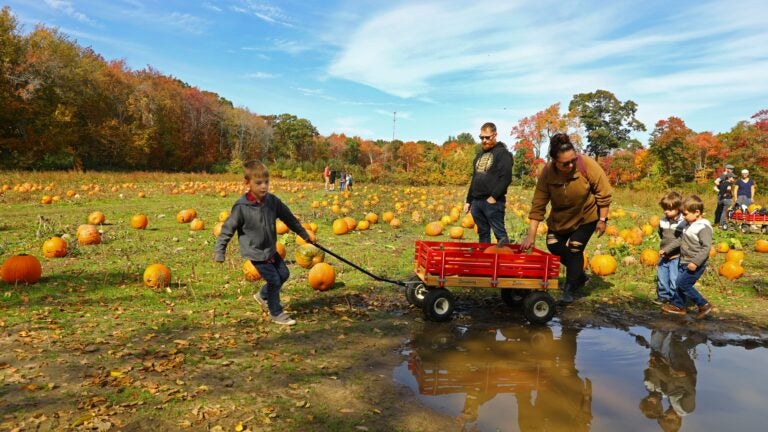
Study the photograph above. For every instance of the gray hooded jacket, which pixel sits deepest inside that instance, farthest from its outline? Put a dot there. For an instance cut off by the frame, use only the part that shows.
(255, 227)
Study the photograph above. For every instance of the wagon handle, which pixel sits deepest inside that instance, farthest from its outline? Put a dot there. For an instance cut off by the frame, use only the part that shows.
(378, 278)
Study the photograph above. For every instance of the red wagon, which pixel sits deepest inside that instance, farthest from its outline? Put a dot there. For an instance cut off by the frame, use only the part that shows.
(746, 222)
(523, 278)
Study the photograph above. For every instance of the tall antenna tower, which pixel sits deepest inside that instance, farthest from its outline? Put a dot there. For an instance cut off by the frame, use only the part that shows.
(394, 122)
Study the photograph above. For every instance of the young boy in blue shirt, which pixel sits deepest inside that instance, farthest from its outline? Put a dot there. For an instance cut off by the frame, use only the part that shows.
(253, 217)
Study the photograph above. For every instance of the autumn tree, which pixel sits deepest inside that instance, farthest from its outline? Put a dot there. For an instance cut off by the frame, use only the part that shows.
(607, 121)
(671, 144)
(293, 137)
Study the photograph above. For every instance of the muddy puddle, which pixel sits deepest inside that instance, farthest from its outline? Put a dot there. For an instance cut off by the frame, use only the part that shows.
(560, 378)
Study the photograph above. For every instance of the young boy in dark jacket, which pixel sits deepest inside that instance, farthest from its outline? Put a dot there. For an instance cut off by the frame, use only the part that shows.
(253, 217)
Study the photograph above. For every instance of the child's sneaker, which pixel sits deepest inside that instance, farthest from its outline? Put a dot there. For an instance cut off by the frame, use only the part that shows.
(704, 311)
(262, 301)
(672, 309)
(283, 319)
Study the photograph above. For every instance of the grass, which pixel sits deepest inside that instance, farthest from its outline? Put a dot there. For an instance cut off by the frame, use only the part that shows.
(201, 354)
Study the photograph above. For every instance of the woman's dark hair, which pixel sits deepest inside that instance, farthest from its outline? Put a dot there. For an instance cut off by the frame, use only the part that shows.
(559, 143)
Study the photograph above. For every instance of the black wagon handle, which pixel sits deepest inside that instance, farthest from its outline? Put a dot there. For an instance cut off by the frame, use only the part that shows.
(346, 261)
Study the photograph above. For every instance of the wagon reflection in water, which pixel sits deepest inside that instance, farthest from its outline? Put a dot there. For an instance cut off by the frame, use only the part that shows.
(528, 362)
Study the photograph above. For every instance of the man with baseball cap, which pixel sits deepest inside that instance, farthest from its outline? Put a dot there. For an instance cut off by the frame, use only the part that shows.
(728, 171)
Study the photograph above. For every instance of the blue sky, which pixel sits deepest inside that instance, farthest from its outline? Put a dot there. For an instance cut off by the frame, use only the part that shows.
(445, 67)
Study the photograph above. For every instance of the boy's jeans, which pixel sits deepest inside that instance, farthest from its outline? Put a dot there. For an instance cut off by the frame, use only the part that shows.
(667, 272)
(685, 290)
(275, 273)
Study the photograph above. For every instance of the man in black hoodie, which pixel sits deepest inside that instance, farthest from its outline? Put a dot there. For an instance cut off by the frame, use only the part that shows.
(491, 176)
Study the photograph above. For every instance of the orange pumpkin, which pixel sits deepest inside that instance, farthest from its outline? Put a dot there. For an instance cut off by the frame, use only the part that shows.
(251, 273)
(340, 227)
(433, 229)
(372, 218)
(223, 215)
(217, 229)
(654, 221)
(603, 265)
(649, 257)
(185, 216)
(723, 247)
(542, 228)
(46, 199)
(301, 241)
(322, 277)
(467, 221)
(351, 223)
(308, 255)
(88, 235)
(281, 227)
(55, 247)
(761, 246)
(498, 250)
(395, 223)
(363, 225)
(731, 270)
(21, 268)
(647, 229)
(734, 255)
(139, 221)
(197, 225)
(456, 232)
(612, 230)
(157, 276)
(96, 218)
(387, 216)
(281, 250)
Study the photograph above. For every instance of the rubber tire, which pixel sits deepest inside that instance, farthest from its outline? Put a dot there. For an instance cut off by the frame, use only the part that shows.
(538, 307)
(513, 297)
(416, 292)
(438, 305)
(724, 226)
(745, 228)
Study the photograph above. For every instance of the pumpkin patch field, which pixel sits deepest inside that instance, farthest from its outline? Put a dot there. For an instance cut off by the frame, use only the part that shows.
(113, 314)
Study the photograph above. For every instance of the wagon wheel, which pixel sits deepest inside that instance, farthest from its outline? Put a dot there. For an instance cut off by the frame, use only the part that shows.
(765, 229)
(438, 305)
(724, 226)
(745, 228)
(513, 297)
(415, 291)
(538, 307)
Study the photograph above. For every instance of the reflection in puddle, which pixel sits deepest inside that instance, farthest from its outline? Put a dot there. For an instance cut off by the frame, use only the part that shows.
(527, 378)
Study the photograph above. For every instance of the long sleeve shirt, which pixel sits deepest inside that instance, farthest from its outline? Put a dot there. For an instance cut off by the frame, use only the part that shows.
(574, 196)
(491, 175)
(695, 242)
(254, 223)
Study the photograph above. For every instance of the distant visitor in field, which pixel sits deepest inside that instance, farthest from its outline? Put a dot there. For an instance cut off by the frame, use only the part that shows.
(327, 177)
(745, 193)
(580, 194)
(253, 218)
(718, 180)
(726, 199)
(349, 181)
(491, 176)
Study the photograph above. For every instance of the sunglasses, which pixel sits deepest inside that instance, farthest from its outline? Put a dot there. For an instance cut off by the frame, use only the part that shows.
(485, 137)
(568, 162)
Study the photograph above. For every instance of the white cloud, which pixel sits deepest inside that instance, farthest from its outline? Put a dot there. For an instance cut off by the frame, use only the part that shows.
(67, 7)
(351, 126)
(691, 57)
(264, 11)
(212, 7)
(261, 75)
